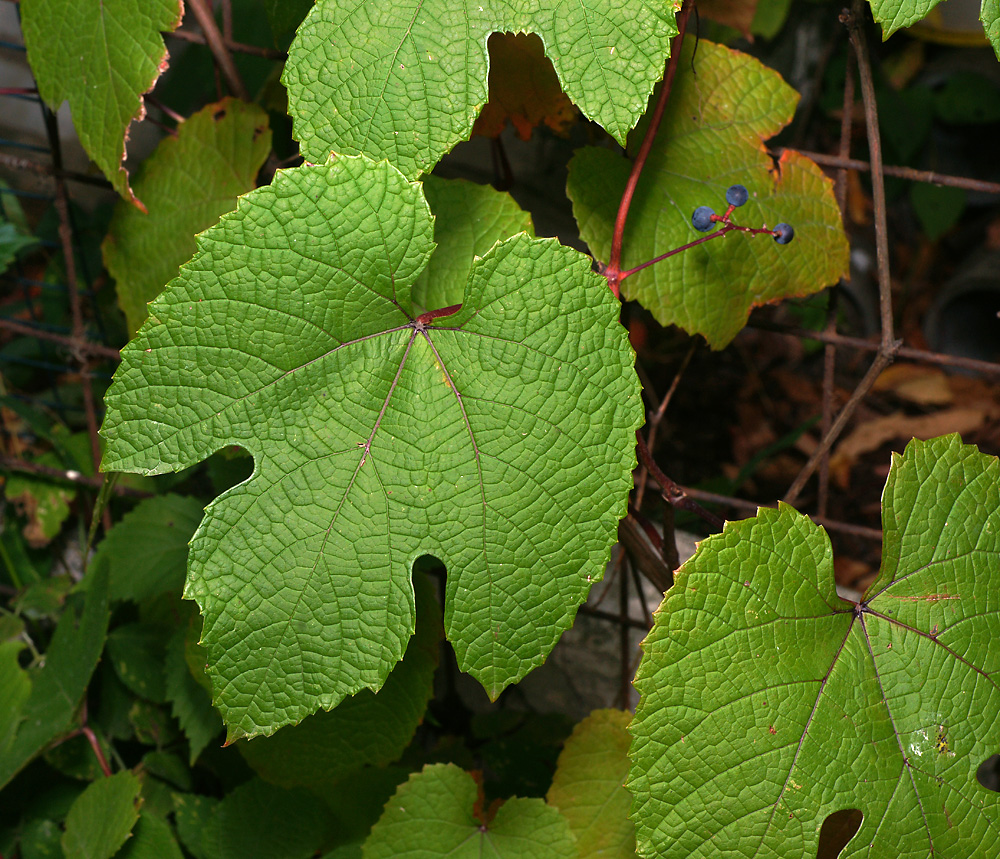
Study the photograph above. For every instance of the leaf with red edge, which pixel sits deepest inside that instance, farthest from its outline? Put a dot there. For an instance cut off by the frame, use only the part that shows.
(712, 136)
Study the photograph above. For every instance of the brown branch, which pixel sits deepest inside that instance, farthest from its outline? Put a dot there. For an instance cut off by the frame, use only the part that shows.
(236, 47)
(29, 166)
(612, 271)
(675, 494)
(75, 346)
(888, 345)
(909, 173)
(753, 506)
(910, 353)
(10, 463)
(217, 45)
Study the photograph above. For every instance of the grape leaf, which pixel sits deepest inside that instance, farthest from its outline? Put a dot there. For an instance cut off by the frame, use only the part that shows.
(711, 137)
(186, 184)
(434, 814)
(404, 81)
(101, 57)
(365, 729)
(468, 220)
(768, 703)
(16, 685)
(588, 786)
(102, 817)
(498, 438)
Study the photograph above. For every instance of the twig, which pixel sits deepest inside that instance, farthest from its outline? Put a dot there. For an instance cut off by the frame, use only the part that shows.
(75, 346)
(753, 506)
(28, 166)
(888, 345)
(675, 494)
(910, 353)
(654, 422)
(613, 269)
(217, 45)
(928, 176)
(10, 463)
(830, 349)
(236, 47)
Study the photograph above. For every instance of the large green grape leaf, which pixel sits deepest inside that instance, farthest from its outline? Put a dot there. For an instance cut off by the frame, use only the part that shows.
(893, 15)
(405, 80)
(588, 786)
(101, 57)
(498, 439)
(723, 106)
(434, 814)
(768, 703)
(186, 184)
(366, 729)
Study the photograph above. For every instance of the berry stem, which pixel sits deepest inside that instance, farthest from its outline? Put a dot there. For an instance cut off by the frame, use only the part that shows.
(728, 228)
(613, 269)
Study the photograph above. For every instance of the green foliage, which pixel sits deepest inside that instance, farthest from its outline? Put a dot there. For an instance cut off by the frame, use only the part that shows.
(379, 365)
(435, 814)
(893, 15)
(405, 80)
(767, 701)
(187, 184)
(101, 57)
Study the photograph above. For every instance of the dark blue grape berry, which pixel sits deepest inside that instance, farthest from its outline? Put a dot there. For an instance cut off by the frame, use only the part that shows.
(737, 195)
(701, 220)
(783, 234)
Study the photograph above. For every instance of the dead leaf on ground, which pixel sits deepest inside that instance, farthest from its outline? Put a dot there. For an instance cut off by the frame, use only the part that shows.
(873, 434)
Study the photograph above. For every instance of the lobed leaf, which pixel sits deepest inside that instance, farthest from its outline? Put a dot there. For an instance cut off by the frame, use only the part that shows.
(712, 136)
(498, 439)
(768, 703)
(405, 81)
(101, 57)
(186, 184)
(433, 815)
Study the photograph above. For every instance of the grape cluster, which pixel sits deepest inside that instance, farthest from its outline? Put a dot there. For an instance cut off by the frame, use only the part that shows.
(704, 218)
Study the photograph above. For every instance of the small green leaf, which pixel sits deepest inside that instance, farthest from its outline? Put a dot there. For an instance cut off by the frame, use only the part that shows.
(15, 684)
(187, 184)
(12, 242)
(433, 815)
(163, 526)
(365, 729)
(498, 439)
(768, 703)
(405, 81)
(101, 57)
(260, 821)
(58, 687)
(990, 16)
(136, 652)
(588, 787)
(195, 815)
(152, 839)
(102, 817)
(468, 220)
(191, 704)
(712, 136)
